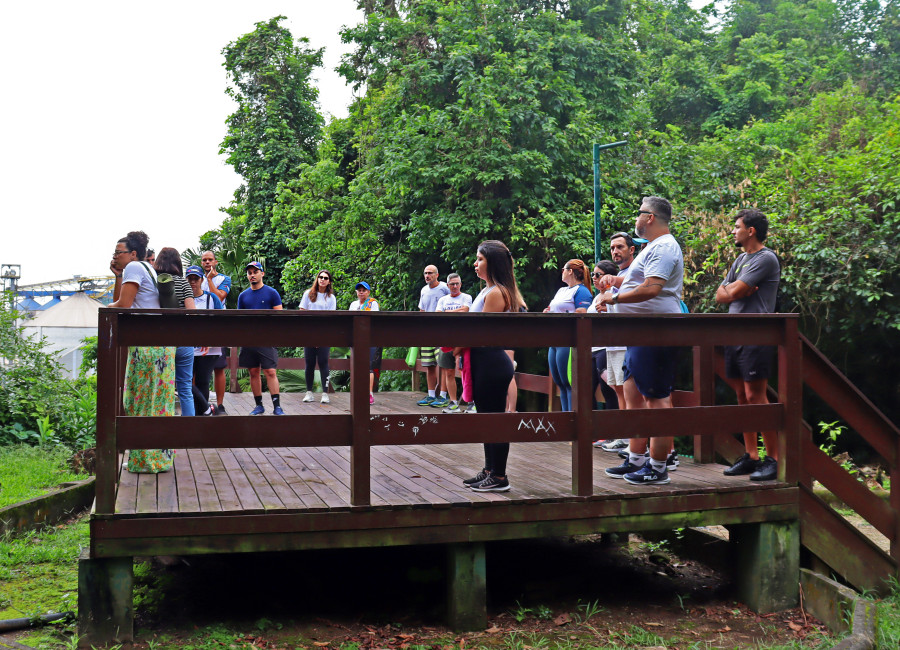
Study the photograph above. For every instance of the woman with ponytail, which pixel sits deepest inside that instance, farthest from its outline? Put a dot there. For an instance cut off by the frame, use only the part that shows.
(574, 297)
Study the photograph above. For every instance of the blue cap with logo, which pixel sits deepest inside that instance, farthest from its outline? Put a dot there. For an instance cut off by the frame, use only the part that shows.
(255, 265)
(364, 285)
(194, 270)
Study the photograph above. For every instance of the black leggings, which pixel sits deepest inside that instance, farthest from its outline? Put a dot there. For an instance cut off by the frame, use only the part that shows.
(203, 371)
(598, 367)
(491, 373)
(312, 356)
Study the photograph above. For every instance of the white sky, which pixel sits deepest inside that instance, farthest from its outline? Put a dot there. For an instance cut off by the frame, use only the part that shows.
(112, 114)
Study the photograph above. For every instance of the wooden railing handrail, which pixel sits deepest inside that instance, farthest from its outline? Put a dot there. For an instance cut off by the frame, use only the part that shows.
(854, 408)
(362, 330)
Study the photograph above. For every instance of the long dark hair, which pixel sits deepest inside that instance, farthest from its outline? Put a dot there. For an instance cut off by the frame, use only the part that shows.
(500, 271)
(168, 260)
(314, 289)
(136, 241)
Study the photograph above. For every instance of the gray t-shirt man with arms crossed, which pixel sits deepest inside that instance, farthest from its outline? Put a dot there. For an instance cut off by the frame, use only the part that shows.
(750, 287)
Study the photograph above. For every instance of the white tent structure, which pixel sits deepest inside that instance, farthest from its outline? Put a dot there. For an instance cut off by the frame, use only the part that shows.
(64, 325)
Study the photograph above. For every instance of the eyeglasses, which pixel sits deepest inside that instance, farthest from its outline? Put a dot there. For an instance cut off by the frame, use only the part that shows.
(118, 252)
(454, 284)
(324, 277)
(640, 212)
(595, 274)
(567, 268)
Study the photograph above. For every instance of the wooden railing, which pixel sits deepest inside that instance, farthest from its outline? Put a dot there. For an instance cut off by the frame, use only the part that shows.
(696, 416)
(824, 531)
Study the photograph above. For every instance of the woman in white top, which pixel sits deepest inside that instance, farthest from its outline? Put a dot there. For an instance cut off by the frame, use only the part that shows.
(574, 297)
(319, 297)
(491, 368)
(365, 302)
(150, 371)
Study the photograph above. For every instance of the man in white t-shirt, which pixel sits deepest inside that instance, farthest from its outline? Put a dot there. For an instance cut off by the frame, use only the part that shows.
(433, 291)
(652, 285)
(219, 285)
(456, 301)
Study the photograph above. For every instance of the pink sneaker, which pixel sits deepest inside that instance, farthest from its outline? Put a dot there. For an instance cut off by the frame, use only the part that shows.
(371, 398)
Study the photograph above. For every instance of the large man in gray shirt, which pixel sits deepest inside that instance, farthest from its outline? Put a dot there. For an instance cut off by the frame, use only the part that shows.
(750, 287)
(652, 285)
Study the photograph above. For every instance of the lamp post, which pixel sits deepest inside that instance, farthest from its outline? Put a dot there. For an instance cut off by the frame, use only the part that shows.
(598, 196)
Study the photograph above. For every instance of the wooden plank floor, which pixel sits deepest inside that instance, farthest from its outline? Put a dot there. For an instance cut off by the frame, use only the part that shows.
(317, 479)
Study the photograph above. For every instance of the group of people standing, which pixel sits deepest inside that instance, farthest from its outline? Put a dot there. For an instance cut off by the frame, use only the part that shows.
(637, 377)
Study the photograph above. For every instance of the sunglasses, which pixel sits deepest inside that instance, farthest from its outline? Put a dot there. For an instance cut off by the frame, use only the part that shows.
(324, 277)
(120, 253)
(595, 274)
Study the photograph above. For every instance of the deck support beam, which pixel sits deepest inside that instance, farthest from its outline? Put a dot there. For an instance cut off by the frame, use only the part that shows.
(466, 587)
(105, 610)
(767, 564)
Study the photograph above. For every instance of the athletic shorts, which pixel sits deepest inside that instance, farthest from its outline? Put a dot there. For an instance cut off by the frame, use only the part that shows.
(375, 358)
(265, 358)
(749, 362)
(652, 368)
(428, 356)
(446, 360)
(615, 373)
(222, 361)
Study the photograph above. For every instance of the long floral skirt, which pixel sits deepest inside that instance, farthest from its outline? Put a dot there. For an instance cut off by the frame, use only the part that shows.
(150, 391)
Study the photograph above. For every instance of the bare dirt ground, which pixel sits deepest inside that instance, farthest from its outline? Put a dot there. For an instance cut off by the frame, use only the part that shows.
(572, 592)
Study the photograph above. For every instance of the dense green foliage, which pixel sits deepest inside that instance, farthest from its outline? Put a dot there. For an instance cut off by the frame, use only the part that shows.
(38, 404)
(475, 120)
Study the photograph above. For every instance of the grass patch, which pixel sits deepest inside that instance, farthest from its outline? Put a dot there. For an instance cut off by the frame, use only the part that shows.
(27, 472)
(888, 626)
(39, 573)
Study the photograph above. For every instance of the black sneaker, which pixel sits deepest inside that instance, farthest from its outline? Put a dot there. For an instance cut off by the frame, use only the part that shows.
(646, 475)
(478, 478)
(672, 462)
(767, 471)
(220, 409)
(492, 484)
(621, 470)
(743, 465)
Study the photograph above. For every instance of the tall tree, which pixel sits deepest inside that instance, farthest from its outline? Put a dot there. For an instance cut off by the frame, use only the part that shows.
(275, 129)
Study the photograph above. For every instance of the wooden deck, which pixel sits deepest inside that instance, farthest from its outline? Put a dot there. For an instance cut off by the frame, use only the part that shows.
(299, 497)
(317, 479)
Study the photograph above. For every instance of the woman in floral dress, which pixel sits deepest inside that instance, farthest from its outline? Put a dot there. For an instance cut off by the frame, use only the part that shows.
(150, 371)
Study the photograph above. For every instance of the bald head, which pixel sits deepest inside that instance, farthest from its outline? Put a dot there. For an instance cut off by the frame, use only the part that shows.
(431, 275)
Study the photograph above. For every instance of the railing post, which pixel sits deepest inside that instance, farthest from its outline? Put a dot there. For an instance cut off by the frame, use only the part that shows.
(108, 406)
(233, 385)
(583, 403)
(895, 502)
(360, 453)
(705, 388)
(790, 394)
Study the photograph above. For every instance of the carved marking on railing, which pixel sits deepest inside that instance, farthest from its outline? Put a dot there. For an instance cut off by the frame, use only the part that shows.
(538, 426)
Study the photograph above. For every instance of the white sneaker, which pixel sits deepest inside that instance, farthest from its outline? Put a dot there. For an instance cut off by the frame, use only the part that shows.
(326, 399)
(309, 396)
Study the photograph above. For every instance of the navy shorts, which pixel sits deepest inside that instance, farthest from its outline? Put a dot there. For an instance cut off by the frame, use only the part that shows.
(265, 358)
(749, 362)
(652, 368)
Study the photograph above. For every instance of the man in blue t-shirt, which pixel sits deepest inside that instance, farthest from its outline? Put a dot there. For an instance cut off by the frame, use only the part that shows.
(260, 296)
(750, 287)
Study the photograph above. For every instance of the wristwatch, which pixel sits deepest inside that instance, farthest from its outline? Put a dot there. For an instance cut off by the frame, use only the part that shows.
(615, 299)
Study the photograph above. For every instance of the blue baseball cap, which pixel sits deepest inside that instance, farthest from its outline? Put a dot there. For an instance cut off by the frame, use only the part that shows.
(255, 265)
(194, 270)
(364, 285)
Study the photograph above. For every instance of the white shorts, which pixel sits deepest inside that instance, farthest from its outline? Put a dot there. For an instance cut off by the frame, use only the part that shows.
(615, 370)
